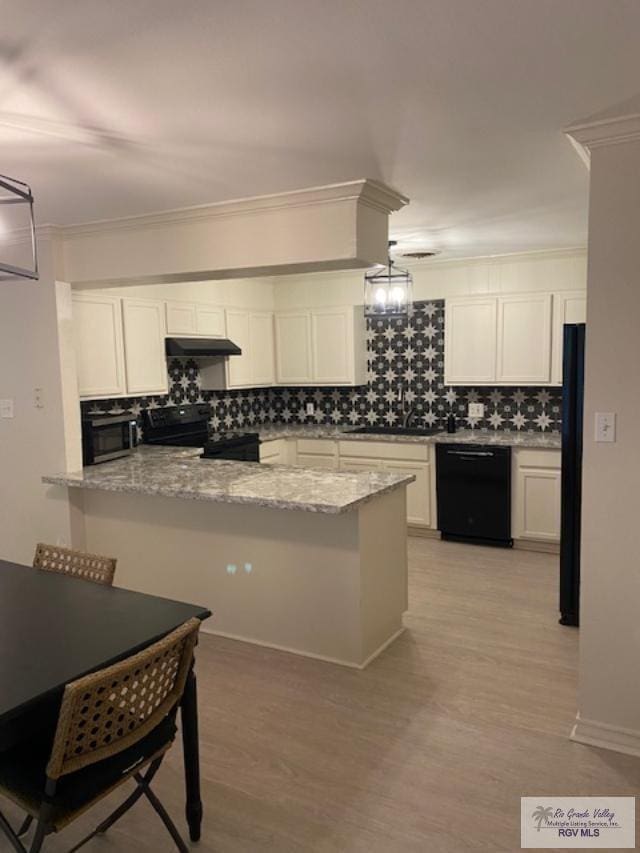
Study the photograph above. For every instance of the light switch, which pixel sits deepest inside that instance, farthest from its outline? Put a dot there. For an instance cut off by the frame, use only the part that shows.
(476, 410)
(6, 408)
(605, 426)
(38, 398)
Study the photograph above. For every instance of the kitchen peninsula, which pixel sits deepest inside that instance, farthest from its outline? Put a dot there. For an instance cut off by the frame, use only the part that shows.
(312, 562)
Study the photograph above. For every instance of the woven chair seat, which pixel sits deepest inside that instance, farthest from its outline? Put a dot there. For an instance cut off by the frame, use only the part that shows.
(23, 773)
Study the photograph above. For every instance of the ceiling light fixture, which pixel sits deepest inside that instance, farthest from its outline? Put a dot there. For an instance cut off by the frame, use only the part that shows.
(387, 290)
(18, 255)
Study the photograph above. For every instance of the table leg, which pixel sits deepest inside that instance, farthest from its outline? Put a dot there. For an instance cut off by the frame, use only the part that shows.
(189, 714)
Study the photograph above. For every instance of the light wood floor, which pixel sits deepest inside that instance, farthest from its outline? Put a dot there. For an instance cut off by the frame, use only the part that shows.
(429, 749)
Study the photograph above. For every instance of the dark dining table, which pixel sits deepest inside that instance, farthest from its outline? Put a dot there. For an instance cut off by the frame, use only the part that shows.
(55, 628)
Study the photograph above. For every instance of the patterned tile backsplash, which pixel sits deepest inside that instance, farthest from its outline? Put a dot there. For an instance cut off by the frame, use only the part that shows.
(403, 353)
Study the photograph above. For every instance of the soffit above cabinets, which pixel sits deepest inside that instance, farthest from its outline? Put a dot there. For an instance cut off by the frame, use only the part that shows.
(338, 226)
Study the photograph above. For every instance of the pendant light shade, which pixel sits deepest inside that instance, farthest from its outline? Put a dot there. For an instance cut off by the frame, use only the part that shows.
(18, 257)
(388, 291)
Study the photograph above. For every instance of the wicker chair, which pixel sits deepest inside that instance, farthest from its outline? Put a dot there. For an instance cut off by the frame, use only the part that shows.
(112, 725)
(77, 564)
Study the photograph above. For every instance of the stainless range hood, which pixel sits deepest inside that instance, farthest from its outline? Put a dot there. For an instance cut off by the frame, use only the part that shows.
(200, 347)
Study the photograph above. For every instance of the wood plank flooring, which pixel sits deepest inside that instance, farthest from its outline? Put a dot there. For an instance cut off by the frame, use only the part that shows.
(429, 749)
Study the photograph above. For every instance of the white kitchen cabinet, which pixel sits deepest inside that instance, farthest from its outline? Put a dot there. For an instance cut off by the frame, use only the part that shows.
(311, 460)
(418, 492)
(568, 307)
(360, 465)
(239, 366)
(324, 346)
(181, 318)
(210, 321)
(191, 319)
(536, 495)
(470, 341)
(261, 348)
(144, 336)
(524, 339)
(97, 329)
(293, 348)
(275, 452)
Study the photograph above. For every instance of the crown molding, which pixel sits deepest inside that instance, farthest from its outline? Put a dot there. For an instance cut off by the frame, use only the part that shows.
(587, 135)
(364, 191)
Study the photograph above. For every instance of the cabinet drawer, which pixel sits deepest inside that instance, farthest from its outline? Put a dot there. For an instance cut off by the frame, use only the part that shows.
(538, 459)
(313, 460)
(271, 451)
(384, 450)
(321, 446)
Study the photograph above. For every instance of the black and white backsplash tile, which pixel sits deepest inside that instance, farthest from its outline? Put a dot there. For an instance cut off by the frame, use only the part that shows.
(402, 354)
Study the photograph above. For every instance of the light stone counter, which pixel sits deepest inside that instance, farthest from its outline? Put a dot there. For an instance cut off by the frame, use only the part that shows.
(542, 440)
(180, 473)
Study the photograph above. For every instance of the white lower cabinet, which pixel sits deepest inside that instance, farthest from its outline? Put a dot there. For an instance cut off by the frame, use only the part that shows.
(536, 495)
(418, 492)
(275, 452)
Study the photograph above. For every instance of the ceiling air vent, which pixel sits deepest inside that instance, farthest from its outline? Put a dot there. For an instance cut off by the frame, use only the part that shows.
(419, 255)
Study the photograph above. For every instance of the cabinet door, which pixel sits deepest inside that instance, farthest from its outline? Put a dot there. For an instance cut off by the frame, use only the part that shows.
(210, 321)
(181, 318)
(239, 366)
(144, 334)
(293, 348)
(524, 339)
(418, 492)
(570, 307)
(97, 331)
(332, 346)
(263, 368)
(470, 341)
(537, 504)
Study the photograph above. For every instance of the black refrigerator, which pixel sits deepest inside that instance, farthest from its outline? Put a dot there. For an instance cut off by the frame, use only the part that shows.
(571, 502)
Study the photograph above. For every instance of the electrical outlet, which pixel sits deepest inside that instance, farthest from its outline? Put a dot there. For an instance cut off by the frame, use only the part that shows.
(476, 410)
(6, 408)
(605, 426)
(310, 409)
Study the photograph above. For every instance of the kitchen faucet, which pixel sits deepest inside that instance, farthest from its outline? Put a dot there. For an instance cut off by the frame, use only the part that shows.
(407, 414)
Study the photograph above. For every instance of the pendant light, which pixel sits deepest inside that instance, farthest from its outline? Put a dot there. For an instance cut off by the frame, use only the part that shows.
(18, 256)
(387, 290)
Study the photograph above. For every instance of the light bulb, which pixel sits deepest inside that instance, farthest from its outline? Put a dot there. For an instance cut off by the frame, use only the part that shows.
(398, 295)
(381, 296)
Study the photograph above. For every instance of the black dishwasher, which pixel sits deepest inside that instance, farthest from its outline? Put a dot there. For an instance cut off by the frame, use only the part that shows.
(474, 493)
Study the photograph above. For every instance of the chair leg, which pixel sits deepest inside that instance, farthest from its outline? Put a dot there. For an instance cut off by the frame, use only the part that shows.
(24, 826)
(15, 842)
(164, 816)
(124, 807)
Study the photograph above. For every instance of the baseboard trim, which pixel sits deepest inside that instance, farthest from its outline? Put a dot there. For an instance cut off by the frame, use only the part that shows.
(424, 532)
(535, 545)
(605, 736)
(299, 652)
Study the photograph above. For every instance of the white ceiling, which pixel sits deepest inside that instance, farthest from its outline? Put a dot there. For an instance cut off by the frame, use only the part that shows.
(117, 108)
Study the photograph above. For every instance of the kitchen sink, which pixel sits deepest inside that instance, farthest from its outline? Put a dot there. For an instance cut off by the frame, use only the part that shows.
(395, 430)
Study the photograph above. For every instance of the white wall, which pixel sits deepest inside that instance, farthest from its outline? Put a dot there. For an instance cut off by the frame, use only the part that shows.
(256, 293)
(437, 279)
(36, 440)
(609, 693)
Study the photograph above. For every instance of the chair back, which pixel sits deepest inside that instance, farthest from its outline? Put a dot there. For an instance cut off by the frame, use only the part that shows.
(77, 564)
(108, 711)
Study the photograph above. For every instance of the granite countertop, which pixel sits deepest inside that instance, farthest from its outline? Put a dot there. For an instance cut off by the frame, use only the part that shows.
(180, 473)
(542, 440)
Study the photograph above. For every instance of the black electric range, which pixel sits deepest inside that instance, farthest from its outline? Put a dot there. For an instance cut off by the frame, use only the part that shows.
(188, 426)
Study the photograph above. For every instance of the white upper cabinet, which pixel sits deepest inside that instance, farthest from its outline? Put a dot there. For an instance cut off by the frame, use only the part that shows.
(470, 341)
(293, 348)
(144, 334)
(97, 329)
(263, 357)
(524, 339)
(568, 307)
(190, 319)
(210, 321)
(323, 346)
(181, 318)
(504, 339)
(239, 366)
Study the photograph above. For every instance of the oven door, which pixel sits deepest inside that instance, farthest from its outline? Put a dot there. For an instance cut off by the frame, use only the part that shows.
(108, 438)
